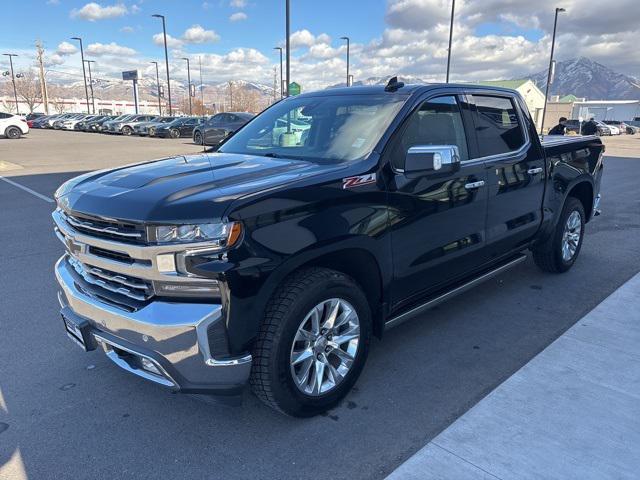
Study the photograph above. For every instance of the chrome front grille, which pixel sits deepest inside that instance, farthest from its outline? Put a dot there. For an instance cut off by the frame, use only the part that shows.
(120, 231)
(113, 282)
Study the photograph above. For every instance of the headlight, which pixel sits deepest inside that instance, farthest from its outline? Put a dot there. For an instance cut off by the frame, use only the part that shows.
(222, 235)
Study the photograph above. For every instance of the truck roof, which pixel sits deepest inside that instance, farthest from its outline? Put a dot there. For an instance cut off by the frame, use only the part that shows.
(407, 89)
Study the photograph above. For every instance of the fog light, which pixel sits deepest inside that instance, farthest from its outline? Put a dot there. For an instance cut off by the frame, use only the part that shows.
(166, 263)
(149, 366)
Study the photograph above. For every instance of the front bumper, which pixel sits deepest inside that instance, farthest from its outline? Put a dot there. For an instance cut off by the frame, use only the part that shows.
(171, 336)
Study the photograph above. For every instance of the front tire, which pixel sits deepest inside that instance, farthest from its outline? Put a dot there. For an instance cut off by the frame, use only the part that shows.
(13, 133)
(197, 138)
(127, 130)
(560, 251)
(312, 344)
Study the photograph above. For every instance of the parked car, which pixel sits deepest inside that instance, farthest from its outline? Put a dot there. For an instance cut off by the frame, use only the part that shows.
(96, 125)
(613, 130)
(54, 118)
(82, 124)
(107, 127)
(180, 127)
(621, 126)
(39, 122)
(61, 123)
(142, 128)
(33, 116)
(126, 127)
(217, 128)
(273, 264)
(72, 123)
(13, 126)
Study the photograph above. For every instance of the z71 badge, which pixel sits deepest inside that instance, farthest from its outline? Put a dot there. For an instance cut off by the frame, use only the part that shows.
(358, 181)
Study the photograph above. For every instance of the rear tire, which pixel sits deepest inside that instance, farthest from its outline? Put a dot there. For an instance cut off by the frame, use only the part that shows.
(291, 371)
(127, 130)
(560, 251)
(13, 133)
(173, 133)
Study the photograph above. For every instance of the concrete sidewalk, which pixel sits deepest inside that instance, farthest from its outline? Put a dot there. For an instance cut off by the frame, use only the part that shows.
(573, 412)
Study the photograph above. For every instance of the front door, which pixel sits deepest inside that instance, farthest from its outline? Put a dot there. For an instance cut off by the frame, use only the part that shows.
(515, 171)
(438, 223)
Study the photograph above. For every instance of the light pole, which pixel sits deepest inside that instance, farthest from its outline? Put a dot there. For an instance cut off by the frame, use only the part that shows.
(348, 44)
(553, 46)
(158, 85)
(84, 72)
(13, 79)
(281, 89)
(166, 58)
(189, 81)
(453, 9)
(288, 43)
(93, 100)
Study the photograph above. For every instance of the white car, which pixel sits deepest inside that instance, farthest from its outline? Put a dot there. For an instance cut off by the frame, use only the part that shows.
(13, 126)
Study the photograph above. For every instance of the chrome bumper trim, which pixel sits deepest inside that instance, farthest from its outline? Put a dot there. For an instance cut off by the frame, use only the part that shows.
(175, 331)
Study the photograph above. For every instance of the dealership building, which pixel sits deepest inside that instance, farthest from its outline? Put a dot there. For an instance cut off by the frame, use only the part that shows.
(622, 110)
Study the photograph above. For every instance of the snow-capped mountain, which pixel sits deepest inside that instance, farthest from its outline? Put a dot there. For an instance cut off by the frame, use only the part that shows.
(583, 77)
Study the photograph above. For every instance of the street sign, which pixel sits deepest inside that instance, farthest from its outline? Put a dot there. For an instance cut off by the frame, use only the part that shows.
(294, 88)
(130, 75)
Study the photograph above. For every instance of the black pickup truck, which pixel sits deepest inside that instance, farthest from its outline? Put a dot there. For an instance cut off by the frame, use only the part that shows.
(329, 218)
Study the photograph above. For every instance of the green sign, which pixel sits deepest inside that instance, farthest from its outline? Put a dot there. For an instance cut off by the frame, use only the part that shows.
(294, 88)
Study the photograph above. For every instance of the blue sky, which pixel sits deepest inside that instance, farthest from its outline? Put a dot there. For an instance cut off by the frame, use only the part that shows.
(493, 38)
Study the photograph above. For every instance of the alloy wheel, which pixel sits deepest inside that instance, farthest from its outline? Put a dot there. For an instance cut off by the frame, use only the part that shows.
(325, 346)
(571, 235)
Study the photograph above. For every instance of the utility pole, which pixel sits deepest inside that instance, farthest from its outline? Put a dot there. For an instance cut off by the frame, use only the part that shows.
(550, 72)
(230, 95)
(348, 43)
(93, 100)
(275, 85)
(288, 45)
(189, 82)
(158, 85)
(13, 80)
(453, 10)
(43, 80)
(84, 73)
(281, 87)
(166, 59)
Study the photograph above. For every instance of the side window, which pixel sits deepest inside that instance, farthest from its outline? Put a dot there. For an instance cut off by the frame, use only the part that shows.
(4, 115)
(498, 127)
(438, 121)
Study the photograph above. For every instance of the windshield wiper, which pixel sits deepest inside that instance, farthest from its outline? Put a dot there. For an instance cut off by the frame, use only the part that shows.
(272, 155)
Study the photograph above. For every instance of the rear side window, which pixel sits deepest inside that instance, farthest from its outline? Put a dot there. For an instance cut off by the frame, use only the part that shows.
(5, 115)
(498, 126)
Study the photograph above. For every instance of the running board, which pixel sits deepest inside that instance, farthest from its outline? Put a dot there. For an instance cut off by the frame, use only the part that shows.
(395, 321)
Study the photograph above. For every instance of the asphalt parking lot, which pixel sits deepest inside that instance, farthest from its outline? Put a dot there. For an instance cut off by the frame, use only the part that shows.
(68, 414)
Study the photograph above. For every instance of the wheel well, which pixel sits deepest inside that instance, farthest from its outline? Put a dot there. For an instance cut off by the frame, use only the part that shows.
(583, 191)
(363, 268)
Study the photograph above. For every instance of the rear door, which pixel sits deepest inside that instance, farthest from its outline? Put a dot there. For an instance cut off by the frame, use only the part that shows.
(438, 220)
(214, 131)
(515, 170)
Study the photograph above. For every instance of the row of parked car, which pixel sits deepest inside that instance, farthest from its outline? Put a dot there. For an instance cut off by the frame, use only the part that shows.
(605, 128)
(204, 130)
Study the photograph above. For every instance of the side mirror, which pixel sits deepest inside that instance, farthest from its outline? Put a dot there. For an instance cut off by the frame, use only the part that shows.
(431, 159)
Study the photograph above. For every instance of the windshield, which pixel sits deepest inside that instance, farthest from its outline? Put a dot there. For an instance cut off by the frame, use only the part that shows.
(333, 127)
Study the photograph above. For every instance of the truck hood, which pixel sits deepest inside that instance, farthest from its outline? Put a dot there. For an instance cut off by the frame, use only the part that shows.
(181, 189)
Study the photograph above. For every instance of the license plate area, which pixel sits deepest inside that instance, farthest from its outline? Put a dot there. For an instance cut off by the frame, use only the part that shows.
(79, 331)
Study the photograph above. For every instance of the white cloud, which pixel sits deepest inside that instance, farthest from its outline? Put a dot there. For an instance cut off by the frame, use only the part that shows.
(136, 9)
(127, 29)
(304, 38)
(172, 42)
(238, 16)
(238, 3)
(53, 2)
(55, 59)
(109, 49)
(94, 11)
(66, 48)
(197, 34)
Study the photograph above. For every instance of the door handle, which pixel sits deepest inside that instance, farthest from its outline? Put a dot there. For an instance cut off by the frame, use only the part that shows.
(474, 185)
(533, 171)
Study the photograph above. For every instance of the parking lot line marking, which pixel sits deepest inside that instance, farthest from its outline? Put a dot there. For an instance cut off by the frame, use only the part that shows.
(4, 165)
(27, 189)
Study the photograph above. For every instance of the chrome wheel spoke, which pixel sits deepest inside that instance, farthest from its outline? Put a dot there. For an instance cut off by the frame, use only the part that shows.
(318, 377)
(344, 356)
(333, 314)
(301, 356)
(347, 335)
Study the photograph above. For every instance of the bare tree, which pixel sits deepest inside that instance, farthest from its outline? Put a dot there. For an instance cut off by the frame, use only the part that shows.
(197, 107)
(29, 90)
